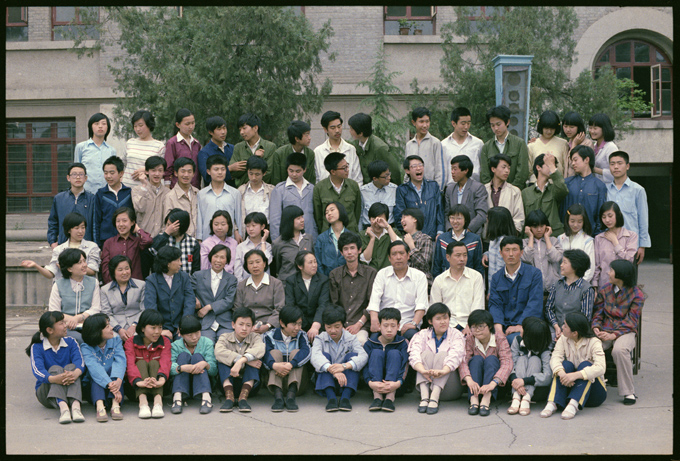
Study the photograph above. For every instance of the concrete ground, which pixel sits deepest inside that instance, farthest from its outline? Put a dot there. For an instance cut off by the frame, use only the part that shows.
(645, 428)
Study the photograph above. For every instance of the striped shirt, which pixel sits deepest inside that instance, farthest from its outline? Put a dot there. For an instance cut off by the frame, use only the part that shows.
(587, 299)
(135, 155)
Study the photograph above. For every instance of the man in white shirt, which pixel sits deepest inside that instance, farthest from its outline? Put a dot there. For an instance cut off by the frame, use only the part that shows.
(332, 126)
(427, 147)
(401, 287)
(380, 189)
(460, 288)
(461, 142)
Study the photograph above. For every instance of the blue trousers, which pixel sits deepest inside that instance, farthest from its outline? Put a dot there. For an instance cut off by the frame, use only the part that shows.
(99, 393)
(587, 394)
(408, 334)
(247, 373)
(213, 335)
(383, 365)
(511, 337)
(482, 371)
(325, 380)
(184, 382)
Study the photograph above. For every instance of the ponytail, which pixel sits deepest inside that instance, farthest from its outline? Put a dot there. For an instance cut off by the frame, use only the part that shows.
(47, 320)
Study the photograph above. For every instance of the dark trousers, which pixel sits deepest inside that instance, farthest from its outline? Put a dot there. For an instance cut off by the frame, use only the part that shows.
(99, 393)
(482, 371)
(587, 394)
(185, 382)
(408, 334)
(384, 365)
(247, 373)
(325, 380)
(48, 394)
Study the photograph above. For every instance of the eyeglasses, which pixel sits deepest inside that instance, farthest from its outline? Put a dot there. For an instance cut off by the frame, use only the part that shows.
(385, 176)
(478, 327)
(76, 175)
(346, 167)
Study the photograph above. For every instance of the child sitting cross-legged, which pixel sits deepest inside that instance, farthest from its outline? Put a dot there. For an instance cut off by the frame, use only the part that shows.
(337, 357)
(193, 363)
(287, 352)
(387, 360)
(239, 355)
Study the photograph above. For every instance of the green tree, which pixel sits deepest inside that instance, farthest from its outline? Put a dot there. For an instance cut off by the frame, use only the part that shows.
(223, 61)
(435, 99)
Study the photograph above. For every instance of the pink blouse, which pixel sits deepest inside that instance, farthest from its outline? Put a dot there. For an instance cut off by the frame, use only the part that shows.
(605, 253)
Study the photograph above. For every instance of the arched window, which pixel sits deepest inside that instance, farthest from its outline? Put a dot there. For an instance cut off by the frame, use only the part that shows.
(648, 66)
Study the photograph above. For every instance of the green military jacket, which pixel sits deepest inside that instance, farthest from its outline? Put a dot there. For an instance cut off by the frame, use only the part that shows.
(518, 152)
(548, 201)
(243, 152)
(278, 164)
(350, 197)
(377, 149)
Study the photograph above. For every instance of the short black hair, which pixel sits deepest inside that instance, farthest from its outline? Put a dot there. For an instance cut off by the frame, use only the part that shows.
(296, 159)
(76, 165)
(459, 112)
(464, 164)
(539, 162)
(178, 214)
(288, 216)
(603, 121)
(511, 240)
(115, 161)
(434, 309)
(216, 159)
(397, 243)
(536, 334)
(290, 314)
(343, 217)
(154, 161)
(389, 313)
(419, 112)
(624, 270)
(243, 312)
(361, 123)
(251, 120)
(328, 117)
(461, 209)
(96, 118)
(72, 220)
(548, 119)
(377, 209)
(189, 324)
(456, 243)
(501, 112)
(348, 238)
(300, 258)
(68, 258)
(148, 317)
(579, 323)
(573, 119)
(115, 261)
(579, 260)
(165, 256)
(214, 122)
(216, 249)
(130, 212)
(183, 161)
(255, 162)
(622, 154)
(332, 161)
(481, 317)
(92, 329)
(496, 159)
(256, 217)
(585, 152)
(297, 129)
(332, 314)
(536, 218)
(416, 213)
(225, 214)
(577, 210)
(376, 168)
(407, 161)
(610, 205)
(256, 252)
(145, 115)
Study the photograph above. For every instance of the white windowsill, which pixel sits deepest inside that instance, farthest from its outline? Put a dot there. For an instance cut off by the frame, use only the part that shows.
(45, 45)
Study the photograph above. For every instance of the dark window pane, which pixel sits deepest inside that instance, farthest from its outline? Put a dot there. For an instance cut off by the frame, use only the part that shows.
(641, 52)
(665, 74)
(65, 13)
(65, 152)
(655, 73)
(16, 130)
(666, 99)
(642, 76)
(88, 14)
(17, 205)
(421, 11)
(42, 153)
(17, 180)
(16, 34)
(90, 31)
(14, 14)
(396, 11)
(66, 130)
(623, 52)
(41, 204)
(42, 177)
(605, 56)
(42, 130)
(62, 171)
(623, 72)
(16, 153)
(659, 57)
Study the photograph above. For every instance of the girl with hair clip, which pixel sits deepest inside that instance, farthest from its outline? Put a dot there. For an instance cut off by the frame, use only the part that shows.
(574, 130)
(138, 149)
(326, 246)
(616, 242)
(104, 358)
(57, 364)
(221, 231)
(578, 235)
(578, 366)
(548, 142)
(531, 359)
(75, 226)
(292, 240)
(258, 234)
(182, 144)
(616, 322)
(602, 133)
(499, 223)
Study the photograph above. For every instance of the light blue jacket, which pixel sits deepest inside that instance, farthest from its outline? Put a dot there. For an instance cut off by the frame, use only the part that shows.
(104, 366)
(337, 351)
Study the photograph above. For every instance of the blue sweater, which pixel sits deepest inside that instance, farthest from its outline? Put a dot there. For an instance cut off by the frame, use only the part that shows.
(430, 202)
(399, 343)
(105, 204)
(212, 149)
(474, 248)
(107, 365)
(64, 203)
(42, 360)
(273, 340)
(510, 302)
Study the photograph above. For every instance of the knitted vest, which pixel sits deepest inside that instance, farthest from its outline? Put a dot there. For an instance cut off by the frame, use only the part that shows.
(73, 303)
(568, 301)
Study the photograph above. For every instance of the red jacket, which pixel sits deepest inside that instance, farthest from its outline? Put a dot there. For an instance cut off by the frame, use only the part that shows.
(135, 350)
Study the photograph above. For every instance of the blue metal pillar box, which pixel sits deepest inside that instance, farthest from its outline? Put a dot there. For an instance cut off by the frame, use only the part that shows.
(513, 81)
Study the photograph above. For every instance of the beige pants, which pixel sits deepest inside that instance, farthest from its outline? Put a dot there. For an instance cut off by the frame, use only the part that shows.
(297, 375)
(623, 346)
(450, 383)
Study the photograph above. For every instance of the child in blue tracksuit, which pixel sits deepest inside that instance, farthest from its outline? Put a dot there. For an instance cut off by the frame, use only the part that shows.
(57, 364)
(387, 360)
(287, 351)
(337, 357)
(104, 358)
(459, 217)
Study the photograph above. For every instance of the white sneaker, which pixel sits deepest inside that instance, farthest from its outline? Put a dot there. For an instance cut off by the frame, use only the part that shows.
(65, 417)
(157, 411)
(144, 412)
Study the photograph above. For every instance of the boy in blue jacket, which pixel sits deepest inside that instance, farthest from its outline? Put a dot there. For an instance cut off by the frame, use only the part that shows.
(387, 360)
(287, 351)
(108, 199)
(337, 356)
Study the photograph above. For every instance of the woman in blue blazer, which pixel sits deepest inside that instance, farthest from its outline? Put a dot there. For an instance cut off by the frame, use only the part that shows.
(168, 290)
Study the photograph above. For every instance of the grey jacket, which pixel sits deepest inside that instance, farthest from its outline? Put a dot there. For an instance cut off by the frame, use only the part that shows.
(119, 313)
(475, 198)
(222, 303)
(337, 351)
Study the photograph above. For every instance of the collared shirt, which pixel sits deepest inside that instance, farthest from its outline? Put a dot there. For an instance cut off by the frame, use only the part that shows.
(148, 202)
(500, 145)
(457, 237)
(264, 281)
(47, 345)
(371, 194)
(514, 275)
(307, 282)
(408, 294)
(168, 279)
(123, 294)
(255, 146)
(590, 192)
(186, 201)
(54, 303)
(215, 279)
(580, 241)
(460, 192)
(190, 249)
(256, 200)
(496, 194)
(461, 296)
(241, 250)
(431, 151)
(321, 152)
(228, 199)
(352, 292)
(93, 157)
(491, 343)
(546, 260)
(289, 182)
(586, 301)
(421, 255)
(438, 342)
(131, 246)
(472, 147)
(632, 199)
(618, 312)
(92, 255)
(337, 188)
(605, 253)
(177, 147)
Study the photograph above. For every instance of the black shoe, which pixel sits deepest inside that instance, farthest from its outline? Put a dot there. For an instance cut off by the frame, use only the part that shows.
(388, 405)
(432, 410)
(206, 407)
(345, 405)
(423, 408)
(376, 405)
(227, 406)
(473, 410)
(243, 406)
(629, 401)
(277, 406)
(291, 405)
(176, 407)
(484, 410)
(332, 405)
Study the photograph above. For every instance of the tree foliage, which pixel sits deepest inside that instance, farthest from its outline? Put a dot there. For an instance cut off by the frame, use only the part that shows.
(223, 61)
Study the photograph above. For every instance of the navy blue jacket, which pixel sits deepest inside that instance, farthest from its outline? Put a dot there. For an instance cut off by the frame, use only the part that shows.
(430, 204)
(589, 192)
(105, 204)
(474, 247)
(212, 149)
(511, 302)
(64, 203)
(399, 343)
(173, 303)
(327, 256)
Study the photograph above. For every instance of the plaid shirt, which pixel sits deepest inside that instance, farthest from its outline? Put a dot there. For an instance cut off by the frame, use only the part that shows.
(586, 299)
(191, 250)
(421, 255)
(618, 313)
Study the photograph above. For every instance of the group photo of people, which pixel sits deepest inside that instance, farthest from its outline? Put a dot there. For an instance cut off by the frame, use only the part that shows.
(189, 276)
